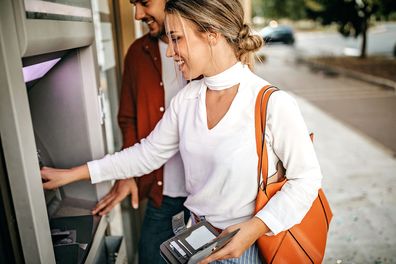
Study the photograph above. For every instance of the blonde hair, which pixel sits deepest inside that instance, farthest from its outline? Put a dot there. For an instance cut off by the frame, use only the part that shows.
(223, 16)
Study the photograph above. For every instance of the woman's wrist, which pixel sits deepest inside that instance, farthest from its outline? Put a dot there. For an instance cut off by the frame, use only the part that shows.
(260, 226)
(80, 173)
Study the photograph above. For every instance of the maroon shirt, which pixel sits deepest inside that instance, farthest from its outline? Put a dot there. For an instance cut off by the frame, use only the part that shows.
(142, 105)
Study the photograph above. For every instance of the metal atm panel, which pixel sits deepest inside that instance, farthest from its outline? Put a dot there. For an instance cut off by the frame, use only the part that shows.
(58, 114)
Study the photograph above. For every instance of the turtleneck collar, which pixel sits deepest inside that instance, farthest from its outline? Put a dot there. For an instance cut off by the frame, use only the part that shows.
(225, 79)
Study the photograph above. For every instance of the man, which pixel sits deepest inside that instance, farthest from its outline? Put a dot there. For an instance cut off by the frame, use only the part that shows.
(149, 82)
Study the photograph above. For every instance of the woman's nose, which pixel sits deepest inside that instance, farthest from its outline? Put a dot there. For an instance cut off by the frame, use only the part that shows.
(170, 52)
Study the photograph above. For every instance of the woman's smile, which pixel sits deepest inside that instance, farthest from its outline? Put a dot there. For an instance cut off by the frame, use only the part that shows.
(180, 63)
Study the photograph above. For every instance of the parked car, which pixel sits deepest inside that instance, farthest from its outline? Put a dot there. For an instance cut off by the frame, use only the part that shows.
(394, 50)
(278, 34)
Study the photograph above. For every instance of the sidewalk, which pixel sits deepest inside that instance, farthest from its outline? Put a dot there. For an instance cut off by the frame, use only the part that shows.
(331, 67)
(360, 183)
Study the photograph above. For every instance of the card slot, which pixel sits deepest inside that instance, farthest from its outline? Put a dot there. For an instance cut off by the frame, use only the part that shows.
(186, 244)
(176, 253)
(189, 250)
(167, 255)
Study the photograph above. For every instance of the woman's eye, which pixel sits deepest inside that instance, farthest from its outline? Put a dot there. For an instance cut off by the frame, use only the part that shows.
(175, 39)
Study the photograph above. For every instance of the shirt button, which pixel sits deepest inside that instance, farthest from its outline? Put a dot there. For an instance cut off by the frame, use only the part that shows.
(161, 83)
(155, 58)
(159, 183)
(162, 109)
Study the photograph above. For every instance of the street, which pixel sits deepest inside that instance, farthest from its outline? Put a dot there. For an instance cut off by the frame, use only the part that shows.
(368, 108)
(380, 41)
(354, 124)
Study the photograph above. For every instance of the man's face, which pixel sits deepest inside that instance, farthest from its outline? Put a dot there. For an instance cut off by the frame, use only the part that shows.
(152, 13)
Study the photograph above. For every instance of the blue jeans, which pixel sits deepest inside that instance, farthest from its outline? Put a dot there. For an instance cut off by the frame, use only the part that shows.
(157, 227)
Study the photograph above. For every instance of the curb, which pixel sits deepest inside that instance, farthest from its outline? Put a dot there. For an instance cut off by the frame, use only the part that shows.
(386, 83)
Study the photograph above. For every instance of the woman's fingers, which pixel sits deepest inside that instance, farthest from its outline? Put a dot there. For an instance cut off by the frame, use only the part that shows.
(54, 178)
(247, 235)
(45, 173)
(225, 253)
(49, 185)
(44, 176)
(103, 203)
(52, 184)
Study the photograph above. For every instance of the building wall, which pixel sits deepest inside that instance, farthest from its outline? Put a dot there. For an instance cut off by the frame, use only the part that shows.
(247, 5)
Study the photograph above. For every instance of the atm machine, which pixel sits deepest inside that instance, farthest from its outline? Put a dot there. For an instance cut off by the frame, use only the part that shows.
(50, 115)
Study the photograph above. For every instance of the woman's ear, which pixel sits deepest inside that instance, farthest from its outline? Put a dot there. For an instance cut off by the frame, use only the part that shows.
(212, 38)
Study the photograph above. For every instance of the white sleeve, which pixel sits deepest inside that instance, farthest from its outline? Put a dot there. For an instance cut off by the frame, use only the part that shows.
(292, 144)
(144, 157)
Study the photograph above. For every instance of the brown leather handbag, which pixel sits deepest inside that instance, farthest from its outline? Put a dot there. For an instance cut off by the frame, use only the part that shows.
(304, 242)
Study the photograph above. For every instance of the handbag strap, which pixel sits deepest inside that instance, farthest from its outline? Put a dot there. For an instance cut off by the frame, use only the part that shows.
(260, 126)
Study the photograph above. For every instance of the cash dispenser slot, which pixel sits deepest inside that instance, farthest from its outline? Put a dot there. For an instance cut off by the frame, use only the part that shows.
(72, 237)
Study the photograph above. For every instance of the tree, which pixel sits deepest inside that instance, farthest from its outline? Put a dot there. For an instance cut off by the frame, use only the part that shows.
(275, 9)
(352, 16)
(386, 10)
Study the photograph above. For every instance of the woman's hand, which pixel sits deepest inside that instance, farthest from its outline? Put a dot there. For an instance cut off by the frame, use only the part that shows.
(54, 178)
(120, 190)
(249, 232)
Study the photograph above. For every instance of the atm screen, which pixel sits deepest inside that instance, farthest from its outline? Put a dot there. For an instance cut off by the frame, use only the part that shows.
(36, 67)
(36, 71)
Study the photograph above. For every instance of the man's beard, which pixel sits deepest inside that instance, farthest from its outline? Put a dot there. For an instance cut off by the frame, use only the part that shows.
(159, 34)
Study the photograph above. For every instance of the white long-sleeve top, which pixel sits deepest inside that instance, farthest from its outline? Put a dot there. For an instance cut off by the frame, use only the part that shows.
(173, 81)
(221, 163)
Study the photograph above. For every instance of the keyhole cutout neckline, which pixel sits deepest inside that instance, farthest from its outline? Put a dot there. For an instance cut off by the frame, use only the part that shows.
(213, 121)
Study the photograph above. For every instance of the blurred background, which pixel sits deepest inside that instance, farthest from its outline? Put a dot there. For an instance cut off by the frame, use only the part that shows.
(338, 58)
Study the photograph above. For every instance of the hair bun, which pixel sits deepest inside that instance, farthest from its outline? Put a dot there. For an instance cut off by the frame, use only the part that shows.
(247, 41)
(244, 32)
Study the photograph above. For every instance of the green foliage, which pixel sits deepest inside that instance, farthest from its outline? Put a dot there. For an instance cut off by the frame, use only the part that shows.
(348, 13)
(352, 16)
(387, 10)
(275, 9)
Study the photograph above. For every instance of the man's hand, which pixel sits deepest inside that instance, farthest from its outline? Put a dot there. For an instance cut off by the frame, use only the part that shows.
(249, 232)
(120, 190)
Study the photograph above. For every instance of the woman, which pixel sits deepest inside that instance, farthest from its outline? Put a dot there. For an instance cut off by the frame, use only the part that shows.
(211, 122)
